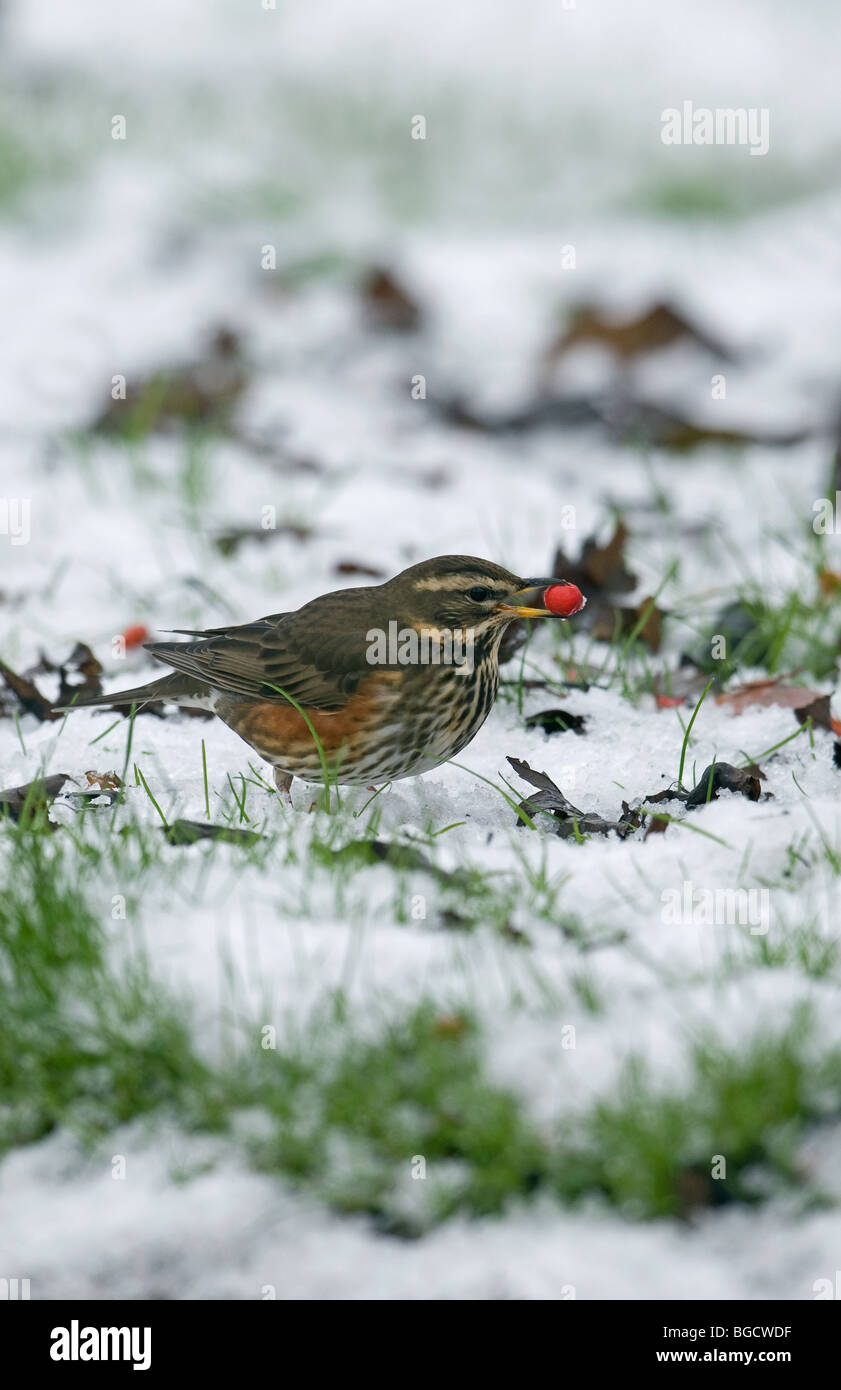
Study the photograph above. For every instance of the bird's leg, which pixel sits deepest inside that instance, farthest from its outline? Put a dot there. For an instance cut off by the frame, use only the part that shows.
(283, 782)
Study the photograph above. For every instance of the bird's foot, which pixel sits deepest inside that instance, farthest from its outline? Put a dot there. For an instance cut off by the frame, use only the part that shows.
(283, 782)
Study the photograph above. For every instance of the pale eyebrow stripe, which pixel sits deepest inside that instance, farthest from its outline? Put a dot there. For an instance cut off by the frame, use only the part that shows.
(438, 582)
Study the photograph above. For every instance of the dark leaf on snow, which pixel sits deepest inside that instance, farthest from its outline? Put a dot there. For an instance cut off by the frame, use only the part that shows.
(725, 777)
(818, 711)
(17, 801)
(81, 664)
(557, 721)
(188, 832)
(602, 574)
(567, 818)
(30, 698)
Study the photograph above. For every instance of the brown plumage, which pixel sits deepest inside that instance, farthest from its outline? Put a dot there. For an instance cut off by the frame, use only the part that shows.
(336, 668)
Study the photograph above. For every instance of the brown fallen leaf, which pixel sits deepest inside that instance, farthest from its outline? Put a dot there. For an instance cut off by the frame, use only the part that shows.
(806, 703)
(387, 304)
(614, 620)
(28, 695)
(600, 569)
(819, 713)
(653, 329)
(355, 567)
(106, 781)
(655, 825)
(81, 662)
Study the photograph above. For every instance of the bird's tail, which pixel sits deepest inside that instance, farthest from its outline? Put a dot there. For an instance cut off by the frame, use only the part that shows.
(177, 688)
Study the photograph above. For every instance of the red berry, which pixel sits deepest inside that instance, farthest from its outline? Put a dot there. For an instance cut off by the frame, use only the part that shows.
(135, 636)
(564, 598)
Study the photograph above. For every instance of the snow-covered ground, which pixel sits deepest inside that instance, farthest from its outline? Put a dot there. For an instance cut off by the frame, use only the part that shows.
(290, 128)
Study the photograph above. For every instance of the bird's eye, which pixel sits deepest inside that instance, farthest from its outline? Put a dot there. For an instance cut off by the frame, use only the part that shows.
(479, 593)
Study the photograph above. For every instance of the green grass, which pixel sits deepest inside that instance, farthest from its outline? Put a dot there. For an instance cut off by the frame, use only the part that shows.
(346, 1104)
(79, 1045)
(348, 1119)
(741, 188)
(752, 1105)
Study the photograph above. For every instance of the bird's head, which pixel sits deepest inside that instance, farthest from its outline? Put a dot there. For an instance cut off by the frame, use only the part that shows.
(463, 592)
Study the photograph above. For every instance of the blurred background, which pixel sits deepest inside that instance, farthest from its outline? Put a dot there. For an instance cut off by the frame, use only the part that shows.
(309, 212)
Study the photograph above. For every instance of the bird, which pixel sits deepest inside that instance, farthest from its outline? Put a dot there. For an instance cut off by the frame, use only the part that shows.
(364, 685)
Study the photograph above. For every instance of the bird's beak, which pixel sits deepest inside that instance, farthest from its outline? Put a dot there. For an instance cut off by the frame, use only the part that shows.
(528, 602)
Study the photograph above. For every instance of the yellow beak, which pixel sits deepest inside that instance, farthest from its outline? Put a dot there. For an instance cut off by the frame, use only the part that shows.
(528, 601)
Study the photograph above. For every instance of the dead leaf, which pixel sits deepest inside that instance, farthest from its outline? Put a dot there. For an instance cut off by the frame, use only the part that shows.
(355, 567)
(649, 331)
(32, 796)
(188, 832)
(557, 721)
(28, 694)
(567, 818)
(387, 304)
(618, 620)
(655, 825)
(106, 781)
(804, 702)
(819, 713)
(81, 662)
(600, 569)
(725, 777)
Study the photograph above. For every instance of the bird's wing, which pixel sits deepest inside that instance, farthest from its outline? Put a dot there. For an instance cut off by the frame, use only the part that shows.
(259, 660)
(223, 631)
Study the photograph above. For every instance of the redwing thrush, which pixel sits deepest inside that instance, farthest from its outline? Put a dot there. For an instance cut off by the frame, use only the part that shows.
(394, 678)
